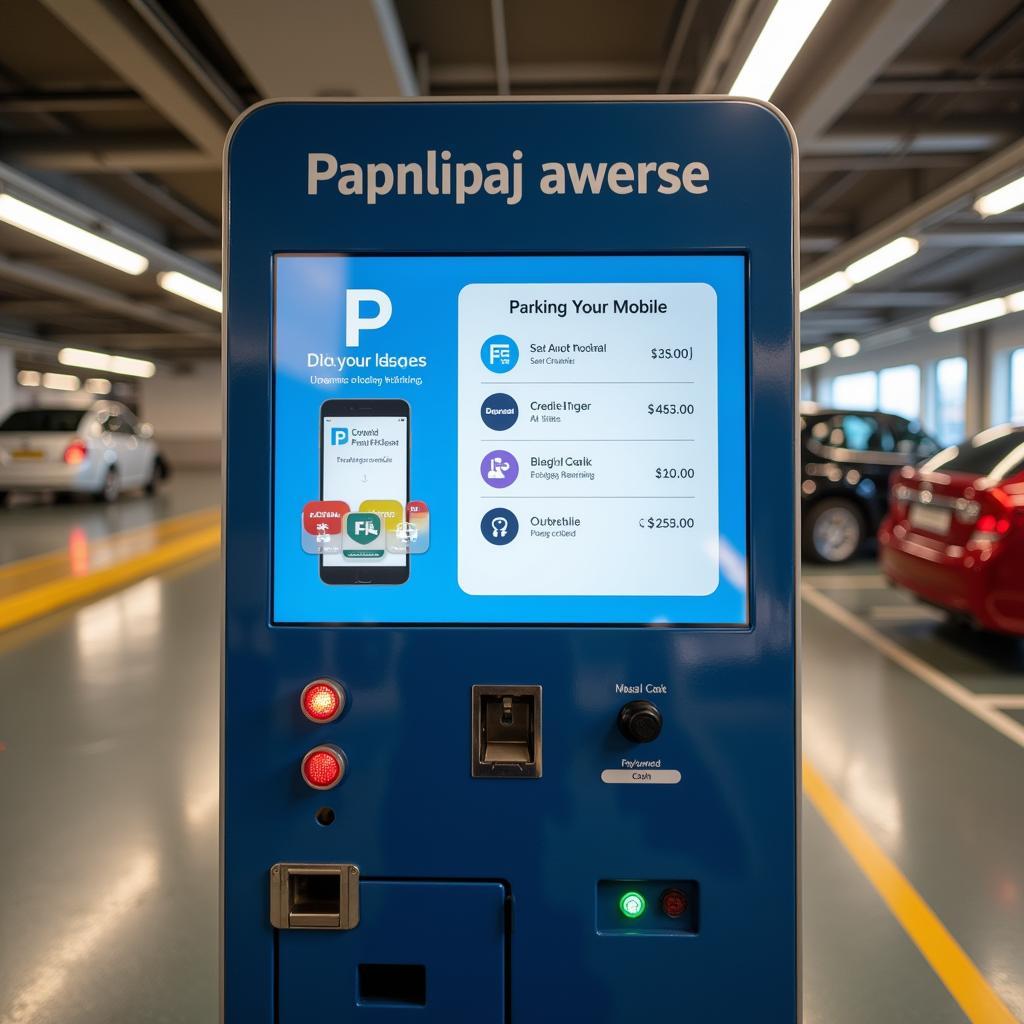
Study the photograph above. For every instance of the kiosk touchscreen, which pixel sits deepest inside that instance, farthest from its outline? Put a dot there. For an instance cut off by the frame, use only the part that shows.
(509, 702)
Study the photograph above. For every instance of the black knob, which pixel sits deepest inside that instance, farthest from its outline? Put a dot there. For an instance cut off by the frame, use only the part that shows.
(640, 721)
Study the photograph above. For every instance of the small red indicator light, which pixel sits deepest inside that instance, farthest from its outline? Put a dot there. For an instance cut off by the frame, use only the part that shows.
(322, 701)
(673, 903)
(75, 452)
(323, 767)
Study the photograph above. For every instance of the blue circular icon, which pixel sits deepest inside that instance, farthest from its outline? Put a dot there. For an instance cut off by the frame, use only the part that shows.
(499, 411)
(499, 353)
(499, 526)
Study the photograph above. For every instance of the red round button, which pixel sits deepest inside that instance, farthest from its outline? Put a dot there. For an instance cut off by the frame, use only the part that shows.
(323, 767)
(673, 903)
(322, 701)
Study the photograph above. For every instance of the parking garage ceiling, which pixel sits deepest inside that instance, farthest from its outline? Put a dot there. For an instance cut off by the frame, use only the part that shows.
(113, 115)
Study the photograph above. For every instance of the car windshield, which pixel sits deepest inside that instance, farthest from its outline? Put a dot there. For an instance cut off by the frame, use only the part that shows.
(56, 420)
(996, 453)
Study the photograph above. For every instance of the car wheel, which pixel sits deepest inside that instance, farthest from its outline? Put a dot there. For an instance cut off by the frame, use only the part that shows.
(833, 531)
(111, 489)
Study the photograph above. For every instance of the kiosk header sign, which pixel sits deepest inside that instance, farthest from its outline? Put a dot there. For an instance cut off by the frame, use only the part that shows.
(510, 676)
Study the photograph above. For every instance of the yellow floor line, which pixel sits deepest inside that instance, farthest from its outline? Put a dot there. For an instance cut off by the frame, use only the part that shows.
(966, 984)
(107, 549)
(34, 602)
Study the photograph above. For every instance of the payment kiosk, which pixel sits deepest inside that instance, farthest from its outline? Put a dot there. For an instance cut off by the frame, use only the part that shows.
(510, 713)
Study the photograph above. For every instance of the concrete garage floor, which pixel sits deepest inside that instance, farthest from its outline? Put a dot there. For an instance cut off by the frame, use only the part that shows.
(109, 722)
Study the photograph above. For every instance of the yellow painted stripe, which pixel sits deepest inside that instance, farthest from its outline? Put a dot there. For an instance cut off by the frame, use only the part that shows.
(100, 552)
(966, 984)
(37, 601)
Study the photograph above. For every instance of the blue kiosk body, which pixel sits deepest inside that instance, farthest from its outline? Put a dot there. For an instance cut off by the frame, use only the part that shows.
(510, 481)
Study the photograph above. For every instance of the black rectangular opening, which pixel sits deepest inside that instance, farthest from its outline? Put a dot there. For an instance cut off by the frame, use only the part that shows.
(393, 984)
(506, 732)
(315, 893)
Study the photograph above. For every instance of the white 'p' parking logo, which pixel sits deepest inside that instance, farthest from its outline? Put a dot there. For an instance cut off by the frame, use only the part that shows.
(354, 323)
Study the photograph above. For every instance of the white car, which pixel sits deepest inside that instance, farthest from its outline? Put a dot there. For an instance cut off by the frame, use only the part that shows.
(101, 451)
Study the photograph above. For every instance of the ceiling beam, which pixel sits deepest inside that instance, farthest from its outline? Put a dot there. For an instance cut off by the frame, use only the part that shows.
(978, 236)
(959, 85)
(907, 298)
(90, 102)
(540, 74)
(735, 38)
(316, 47)
(875, 33)
(499, 33)
(106, 154)
(924, 212)
(56, 283)
(27, 188)
(681, 32)
(890, 162)
(123, 42)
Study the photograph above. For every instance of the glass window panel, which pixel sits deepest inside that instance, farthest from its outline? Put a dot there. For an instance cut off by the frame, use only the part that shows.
(899, 390)
(855, 390)
(950, 399)
(1017, 386)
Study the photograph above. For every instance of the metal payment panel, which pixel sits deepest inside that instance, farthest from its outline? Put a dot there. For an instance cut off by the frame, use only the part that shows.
(510, 708)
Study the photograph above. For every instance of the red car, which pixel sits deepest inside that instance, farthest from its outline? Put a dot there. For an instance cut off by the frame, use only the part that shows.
(954, 535)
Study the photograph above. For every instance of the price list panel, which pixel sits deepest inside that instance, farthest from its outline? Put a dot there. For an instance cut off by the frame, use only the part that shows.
(588, 439)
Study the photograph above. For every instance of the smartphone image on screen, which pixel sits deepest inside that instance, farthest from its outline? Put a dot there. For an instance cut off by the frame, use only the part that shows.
(364, 462)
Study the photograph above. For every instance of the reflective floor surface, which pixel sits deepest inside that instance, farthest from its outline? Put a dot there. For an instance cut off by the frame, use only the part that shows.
(109, 722)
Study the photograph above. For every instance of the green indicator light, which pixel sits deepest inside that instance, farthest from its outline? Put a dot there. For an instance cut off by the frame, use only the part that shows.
(632, 904)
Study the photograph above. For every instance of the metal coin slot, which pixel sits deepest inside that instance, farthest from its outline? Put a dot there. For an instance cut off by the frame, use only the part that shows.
(507, 732)
(314, 896)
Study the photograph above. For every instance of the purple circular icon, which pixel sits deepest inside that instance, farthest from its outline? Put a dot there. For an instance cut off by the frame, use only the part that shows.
(499, 468)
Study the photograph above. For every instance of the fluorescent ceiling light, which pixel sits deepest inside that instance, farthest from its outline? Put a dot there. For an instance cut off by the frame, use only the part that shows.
(191, 289)
(29, 378)
(53, 229)
(976, 313)
(781, 39)
(845, 348)
(61, 381)
(125, 365)
(1002, 199)
(98, 386)
(896, 251)
(1015, 302)
(814, 357)
(823, 290)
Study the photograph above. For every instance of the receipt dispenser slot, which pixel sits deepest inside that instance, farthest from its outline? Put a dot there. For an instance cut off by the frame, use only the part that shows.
(507, 732)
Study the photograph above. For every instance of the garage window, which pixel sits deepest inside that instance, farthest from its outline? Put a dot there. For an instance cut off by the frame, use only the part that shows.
(950, 399)
(899, 390)
(856, 390)
(1017, 386)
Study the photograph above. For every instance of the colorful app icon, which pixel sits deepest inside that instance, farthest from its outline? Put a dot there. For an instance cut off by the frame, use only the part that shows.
(390, 511)
(322, 525)
(418, 516)
(499, 526)
(499, 468)
(499, 411)
(364, 536)
(499, 353)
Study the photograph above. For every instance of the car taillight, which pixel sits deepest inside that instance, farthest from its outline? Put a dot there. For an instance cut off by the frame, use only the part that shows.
(994, 518)
(75, 452)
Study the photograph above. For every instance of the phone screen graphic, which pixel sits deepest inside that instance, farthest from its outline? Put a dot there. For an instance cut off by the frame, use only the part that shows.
(364, 452)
